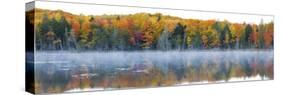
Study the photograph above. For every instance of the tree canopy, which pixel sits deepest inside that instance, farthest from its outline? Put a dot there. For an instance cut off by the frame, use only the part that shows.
(59, 30)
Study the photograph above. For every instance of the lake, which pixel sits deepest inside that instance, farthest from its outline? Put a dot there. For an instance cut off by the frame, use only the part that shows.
(60, 71)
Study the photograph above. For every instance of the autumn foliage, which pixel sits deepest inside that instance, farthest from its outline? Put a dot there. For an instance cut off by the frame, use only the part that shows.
(143, 31)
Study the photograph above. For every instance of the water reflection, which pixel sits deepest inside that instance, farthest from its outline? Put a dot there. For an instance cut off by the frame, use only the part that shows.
(64, 71)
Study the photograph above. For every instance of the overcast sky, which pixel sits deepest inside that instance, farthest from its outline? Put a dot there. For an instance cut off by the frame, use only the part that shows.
(90, 9)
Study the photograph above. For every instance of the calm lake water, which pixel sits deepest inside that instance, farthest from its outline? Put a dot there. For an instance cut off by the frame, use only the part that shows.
(60, 71)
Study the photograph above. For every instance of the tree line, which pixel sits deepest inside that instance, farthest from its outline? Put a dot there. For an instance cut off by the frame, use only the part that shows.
(59, 30)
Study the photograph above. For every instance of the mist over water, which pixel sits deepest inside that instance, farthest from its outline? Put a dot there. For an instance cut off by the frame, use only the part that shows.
(155, 57)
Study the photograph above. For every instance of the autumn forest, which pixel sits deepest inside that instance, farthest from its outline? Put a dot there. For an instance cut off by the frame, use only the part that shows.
(58, 30)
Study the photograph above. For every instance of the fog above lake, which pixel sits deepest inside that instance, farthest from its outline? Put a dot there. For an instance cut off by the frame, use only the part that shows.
(135, 57)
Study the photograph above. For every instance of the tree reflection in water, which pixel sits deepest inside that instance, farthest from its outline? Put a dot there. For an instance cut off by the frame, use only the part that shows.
(114, 70)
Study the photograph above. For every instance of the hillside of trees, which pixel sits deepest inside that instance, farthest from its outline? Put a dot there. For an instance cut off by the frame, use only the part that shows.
(59, 30)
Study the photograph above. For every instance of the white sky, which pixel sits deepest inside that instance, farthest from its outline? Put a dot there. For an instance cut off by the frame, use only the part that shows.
(90, 9)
